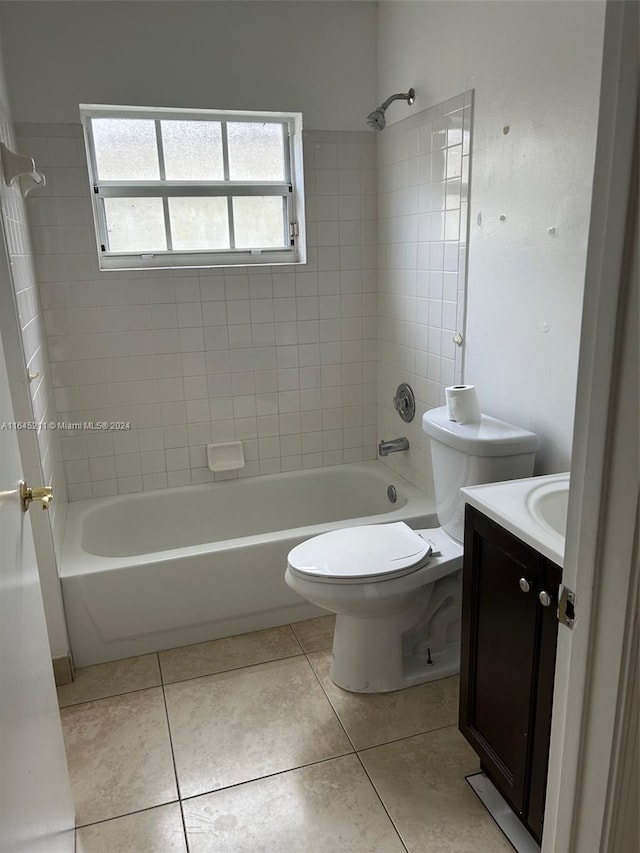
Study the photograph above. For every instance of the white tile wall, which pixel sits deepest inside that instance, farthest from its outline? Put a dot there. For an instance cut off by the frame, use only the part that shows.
(282, 358)
(30, 315)
(423, 192)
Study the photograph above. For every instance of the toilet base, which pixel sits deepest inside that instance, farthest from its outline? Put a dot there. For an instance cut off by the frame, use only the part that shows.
(368, 659)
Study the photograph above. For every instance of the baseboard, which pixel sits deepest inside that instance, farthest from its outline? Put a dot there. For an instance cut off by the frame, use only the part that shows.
(63, 670)
(501, 812)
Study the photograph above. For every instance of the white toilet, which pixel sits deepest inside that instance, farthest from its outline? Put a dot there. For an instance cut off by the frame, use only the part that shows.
(397, 592)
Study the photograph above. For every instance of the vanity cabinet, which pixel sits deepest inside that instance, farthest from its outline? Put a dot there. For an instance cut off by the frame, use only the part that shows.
(509, 631)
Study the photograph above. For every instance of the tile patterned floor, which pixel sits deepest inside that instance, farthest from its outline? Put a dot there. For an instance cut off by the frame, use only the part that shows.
(245, 744)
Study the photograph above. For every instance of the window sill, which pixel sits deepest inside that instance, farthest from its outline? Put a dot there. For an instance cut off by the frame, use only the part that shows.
(197, 260)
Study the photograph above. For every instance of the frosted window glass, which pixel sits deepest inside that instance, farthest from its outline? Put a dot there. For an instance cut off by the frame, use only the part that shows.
(259, 222)
(135, 224)
(192, 150)
(199, 223)
(125, 149)
(256, 151)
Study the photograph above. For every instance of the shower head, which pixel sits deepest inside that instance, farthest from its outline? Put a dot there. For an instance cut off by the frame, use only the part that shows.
(377, 120)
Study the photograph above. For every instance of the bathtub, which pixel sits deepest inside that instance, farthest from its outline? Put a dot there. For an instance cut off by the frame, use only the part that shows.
(154, 570)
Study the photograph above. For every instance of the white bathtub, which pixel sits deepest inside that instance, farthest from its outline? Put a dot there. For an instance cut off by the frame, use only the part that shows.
(154, 570)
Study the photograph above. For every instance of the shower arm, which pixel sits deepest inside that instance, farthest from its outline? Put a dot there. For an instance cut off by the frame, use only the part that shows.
(409, 97)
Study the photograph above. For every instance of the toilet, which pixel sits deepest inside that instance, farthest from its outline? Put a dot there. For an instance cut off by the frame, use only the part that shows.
(397, 592)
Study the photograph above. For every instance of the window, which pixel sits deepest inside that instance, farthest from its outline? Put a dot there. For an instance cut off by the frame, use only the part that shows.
(176, 188)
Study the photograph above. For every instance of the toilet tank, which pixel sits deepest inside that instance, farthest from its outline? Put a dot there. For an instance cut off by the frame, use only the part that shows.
(471, 454)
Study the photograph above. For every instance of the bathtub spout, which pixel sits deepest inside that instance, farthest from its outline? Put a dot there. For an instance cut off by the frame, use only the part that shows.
(393, 446)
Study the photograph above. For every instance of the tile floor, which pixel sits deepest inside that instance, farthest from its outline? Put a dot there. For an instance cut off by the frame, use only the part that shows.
(245, 744)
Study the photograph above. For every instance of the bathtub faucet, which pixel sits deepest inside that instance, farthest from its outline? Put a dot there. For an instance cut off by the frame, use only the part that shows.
(393, 446)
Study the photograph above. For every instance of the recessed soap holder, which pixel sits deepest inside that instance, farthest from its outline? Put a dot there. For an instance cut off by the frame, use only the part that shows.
(404, 402)
(225, 456)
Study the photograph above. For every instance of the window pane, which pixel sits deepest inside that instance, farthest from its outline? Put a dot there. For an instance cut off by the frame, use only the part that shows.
(192, 150)
(199, 223)
(125, 149)
(256, 151)
(258, 222)
(135, 224)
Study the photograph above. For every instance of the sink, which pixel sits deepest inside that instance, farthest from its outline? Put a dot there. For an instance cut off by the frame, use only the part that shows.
(548, 504)
(534, 509)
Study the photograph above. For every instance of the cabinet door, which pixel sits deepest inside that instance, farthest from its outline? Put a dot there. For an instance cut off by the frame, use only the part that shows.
(500, 633)
(544, 700)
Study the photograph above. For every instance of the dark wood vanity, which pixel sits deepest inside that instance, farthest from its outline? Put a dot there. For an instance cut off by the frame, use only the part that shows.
(509, 633)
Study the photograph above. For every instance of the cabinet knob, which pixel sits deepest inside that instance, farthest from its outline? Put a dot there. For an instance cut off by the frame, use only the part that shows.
(525, 586)
(545, 598)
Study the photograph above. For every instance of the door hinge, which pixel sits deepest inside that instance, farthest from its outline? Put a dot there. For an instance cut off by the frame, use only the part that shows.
(293, 229)
(567, 607)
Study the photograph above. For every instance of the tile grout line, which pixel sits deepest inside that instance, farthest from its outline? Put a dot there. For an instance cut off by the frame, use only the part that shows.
(406, 737)
(173, 755)
(110, 696)
(337, 716)
(384, 742)
(382, 803)
(267, 776)
(164, 683)
(234, 669)
(295, 637)
(355, 752)
(127, 814)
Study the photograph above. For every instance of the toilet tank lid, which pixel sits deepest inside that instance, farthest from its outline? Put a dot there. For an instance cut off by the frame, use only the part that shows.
(489, 437)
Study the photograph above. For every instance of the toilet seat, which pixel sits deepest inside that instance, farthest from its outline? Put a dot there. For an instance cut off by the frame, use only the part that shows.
(370, 552)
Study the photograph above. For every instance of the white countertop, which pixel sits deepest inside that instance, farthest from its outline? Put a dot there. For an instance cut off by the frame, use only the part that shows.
(533, 509)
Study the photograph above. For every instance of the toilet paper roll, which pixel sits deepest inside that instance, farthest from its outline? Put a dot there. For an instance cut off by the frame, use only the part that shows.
(462, 404)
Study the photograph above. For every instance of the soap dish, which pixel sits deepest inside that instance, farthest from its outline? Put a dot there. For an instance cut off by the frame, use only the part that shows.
(225, 456)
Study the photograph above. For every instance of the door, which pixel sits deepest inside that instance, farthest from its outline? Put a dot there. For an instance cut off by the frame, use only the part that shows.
(36, 809)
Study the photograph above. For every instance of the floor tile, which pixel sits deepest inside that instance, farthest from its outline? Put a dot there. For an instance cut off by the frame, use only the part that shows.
(421, 783)
(110, 679)
(375, 718)
(228, 653)
(315, 634)
(319, 809)
(119, 755)
(158, 830)
(240, 725)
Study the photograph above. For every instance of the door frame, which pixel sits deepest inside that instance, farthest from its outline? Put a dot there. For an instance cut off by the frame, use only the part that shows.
(592, 715)
(11, 335)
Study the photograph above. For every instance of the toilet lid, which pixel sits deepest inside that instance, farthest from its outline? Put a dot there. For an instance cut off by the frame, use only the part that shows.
(371, 552)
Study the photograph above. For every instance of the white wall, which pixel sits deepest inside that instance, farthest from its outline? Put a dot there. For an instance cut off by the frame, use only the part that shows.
(535, 67)
(315, 57)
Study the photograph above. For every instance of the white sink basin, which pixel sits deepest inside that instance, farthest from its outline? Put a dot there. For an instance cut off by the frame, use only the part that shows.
(534, 510)
(548, 504)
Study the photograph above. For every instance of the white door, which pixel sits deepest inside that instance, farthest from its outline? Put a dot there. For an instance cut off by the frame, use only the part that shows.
(36, 808)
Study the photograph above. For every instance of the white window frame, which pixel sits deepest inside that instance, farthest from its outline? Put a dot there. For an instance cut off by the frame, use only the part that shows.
(291, 190)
